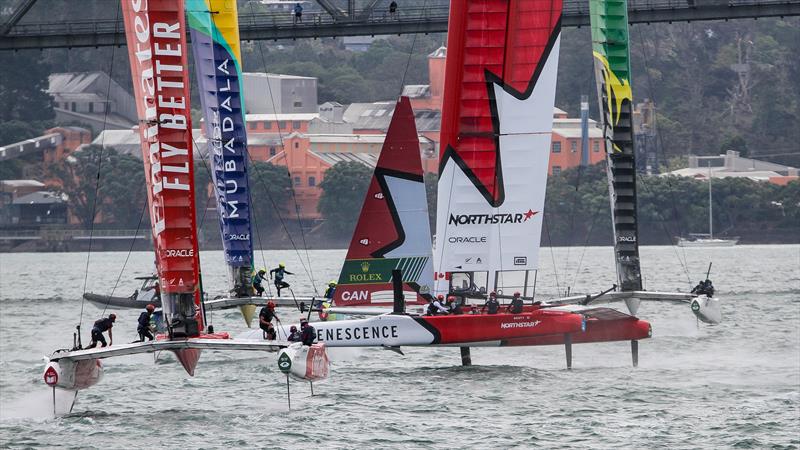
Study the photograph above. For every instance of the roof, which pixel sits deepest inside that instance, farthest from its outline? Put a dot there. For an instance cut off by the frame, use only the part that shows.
(127, 141)
(303, 117)
(71, 82)
(368, 159)
(701, 173)
(39, 198)
(377, 116)
(571, 128)
(353, 138)
(22, 183)
(277, 75)
(417, 90)
(264, 139)
(30, 146)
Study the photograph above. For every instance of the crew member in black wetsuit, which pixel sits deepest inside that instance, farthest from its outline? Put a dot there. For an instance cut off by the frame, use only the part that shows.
(143, 328)
(258, 278)
(100, 327)
(515, 307)
(492, 305)
(265, 321)
(294, 335)
(280, 272)
(308, 334)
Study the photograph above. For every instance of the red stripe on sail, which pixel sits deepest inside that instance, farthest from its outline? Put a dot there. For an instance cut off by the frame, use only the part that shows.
(156, 38)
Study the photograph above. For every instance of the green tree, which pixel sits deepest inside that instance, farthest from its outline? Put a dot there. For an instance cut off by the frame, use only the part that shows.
(124, 191)
(343, 191)
(27, 107)
(270, 194)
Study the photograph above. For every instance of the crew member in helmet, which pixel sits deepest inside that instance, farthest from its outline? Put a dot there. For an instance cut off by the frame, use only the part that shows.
(436, 306)
(330, 291)
(100, 327)
(280, 272)
(258, 278)
(454, 304)
(143, 328)
(307, 332)
(265, 321)
(294, 335)
(492, 305)
(515, 307)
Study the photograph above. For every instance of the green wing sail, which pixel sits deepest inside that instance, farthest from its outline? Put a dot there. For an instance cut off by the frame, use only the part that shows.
(610, 47)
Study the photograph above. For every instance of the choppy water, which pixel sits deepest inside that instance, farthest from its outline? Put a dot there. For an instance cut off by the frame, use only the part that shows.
(732, 385)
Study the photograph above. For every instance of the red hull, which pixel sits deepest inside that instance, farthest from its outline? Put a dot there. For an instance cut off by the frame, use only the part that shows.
(500, 327)
(596, 331)
(190, 356)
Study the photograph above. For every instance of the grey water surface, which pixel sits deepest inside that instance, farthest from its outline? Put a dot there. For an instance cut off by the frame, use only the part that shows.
(732, 385)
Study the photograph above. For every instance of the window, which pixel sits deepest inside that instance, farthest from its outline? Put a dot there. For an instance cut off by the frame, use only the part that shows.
(296, 144)
(312, 181)
(297, 181)
(272, 151)
(282, 124)
(596, 146)
(91, 107)
(556, 147)
(253, 125)
(296, 125)
(556, 170)
(573, 146)
(298, 104)
(267, 125)
(73, 107)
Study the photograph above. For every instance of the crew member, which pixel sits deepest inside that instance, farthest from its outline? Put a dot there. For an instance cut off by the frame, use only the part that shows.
(294, 335)
(143, 328)
(709, 288)
(492, 305)
(393, 9)
(258, 278)
(100, 327)
(265, 321)
(515, 307)
(454, 305)
(330, 291)
(307, 333)
(298, 13)
(280, 272)
(436, 307)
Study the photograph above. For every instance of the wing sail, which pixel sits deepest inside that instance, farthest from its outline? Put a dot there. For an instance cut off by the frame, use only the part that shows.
(609, 22)
(393, 230)
(497, 120)
(214, 30)
(156, 38)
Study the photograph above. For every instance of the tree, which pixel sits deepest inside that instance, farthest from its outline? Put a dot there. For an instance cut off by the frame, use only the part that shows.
(343, 191)
(100, 182)
(270, 193)
(27, 107)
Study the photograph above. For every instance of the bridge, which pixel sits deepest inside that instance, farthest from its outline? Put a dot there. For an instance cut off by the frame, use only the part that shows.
(325, 18)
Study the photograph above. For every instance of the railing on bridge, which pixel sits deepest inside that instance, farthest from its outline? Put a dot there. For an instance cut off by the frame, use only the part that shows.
(60, 234)
(431, 19)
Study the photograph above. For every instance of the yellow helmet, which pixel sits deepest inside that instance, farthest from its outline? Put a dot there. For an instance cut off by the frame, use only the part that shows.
(281, 265)
(331, 283)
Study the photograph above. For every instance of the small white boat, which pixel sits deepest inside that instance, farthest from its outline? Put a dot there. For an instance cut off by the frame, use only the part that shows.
(706, 240)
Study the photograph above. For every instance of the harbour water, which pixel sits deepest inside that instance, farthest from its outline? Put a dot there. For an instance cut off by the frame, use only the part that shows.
(732, 385)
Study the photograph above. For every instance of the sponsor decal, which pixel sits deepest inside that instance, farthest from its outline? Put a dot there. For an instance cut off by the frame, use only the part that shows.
(51, 376)
(379, 195)
(467, 239)
(365, 266)
(424, 289)
(182, 253)
(285, 362)
(530, 324)
(239, 237)
(364, 242)
(357, 333)
(490, 219)
(520, 260)
(626, 239)
(695, 305)
(355, 296)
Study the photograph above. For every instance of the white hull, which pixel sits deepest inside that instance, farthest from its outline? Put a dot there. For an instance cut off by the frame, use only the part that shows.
(707, 309)
(682, 242)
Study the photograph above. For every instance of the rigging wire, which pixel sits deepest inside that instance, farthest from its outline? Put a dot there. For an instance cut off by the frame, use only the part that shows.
(99, 165)
(128, 256)
(684, 261)
(552, 254)
(309, 270)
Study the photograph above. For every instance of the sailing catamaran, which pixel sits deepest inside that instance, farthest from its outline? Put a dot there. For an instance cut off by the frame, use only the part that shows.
(156, 38)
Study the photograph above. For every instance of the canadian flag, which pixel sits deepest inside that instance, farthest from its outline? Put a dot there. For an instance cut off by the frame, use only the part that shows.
(441, 275)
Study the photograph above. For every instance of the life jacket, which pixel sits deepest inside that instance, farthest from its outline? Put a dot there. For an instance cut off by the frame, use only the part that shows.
(492, 305)
(516, 306)
(144, 320)
(308, 335)
(103, 324)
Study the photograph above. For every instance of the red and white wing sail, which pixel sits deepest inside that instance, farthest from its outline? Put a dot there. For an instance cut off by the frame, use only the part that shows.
(497, 118)
(156, 38)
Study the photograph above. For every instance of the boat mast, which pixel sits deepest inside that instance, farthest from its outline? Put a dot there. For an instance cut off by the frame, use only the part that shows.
(710, 206)
(609, 23)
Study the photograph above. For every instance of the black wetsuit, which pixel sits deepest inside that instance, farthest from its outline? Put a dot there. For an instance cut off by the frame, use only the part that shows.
(144, 326)
(294, 336)
(516, 306)
(267, 314)
(257, 279)
(492, 306)
(308, 335)
(100, 326)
